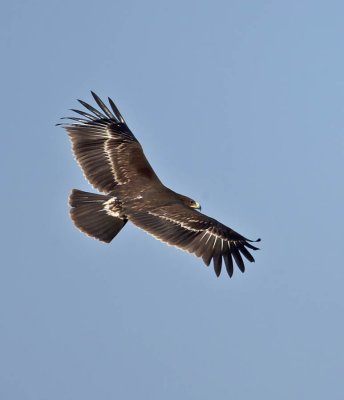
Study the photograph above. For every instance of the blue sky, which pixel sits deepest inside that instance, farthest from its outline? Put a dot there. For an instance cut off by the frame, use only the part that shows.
(238, 105)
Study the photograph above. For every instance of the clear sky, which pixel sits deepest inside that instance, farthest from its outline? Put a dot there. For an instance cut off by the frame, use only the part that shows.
(238, 104)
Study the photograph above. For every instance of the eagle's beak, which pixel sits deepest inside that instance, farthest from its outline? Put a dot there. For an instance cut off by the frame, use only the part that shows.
(197, 206)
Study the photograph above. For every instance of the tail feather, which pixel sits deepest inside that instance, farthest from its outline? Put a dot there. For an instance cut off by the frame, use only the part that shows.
(96, 215)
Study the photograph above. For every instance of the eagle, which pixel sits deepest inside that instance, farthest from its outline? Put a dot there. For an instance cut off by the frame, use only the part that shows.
(114, 163)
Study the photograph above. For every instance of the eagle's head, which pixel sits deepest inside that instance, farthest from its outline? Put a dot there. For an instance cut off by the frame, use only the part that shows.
(194, 204)
(191, 203)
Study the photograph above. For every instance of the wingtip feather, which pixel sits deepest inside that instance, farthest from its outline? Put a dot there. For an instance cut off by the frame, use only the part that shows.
(116, 111)
(102, 105)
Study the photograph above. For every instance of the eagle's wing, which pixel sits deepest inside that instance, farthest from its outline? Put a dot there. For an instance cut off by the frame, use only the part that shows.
(192, 231)
(105, 148)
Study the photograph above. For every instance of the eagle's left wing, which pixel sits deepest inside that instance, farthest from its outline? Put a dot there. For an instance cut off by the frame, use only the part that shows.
(192, 231)
(106, 149)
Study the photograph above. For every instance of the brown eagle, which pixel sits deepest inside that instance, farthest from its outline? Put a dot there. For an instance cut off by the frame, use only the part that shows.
(113, 162)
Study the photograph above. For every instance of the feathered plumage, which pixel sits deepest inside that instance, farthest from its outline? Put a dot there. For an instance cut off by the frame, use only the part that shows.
(113, 162)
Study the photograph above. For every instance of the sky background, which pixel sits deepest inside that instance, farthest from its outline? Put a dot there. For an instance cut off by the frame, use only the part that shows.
(238, 104)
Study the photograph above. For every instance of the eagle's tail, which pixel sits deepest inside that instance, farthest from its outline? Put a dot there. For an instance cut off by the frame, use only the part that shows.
(96, 215)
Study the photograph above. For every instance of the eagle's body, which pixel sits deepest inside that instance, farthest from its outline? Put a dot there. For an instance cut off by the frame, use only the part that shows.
(114, 163)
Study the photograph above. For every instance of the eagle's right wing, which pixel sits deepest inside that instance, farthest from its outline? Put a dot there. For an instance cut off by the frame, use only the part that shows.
(194, 232)
(105, 148)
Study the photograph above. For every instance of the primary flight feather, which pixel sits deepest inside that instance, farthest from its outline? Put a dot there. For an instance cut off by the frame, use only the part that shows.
(113, 162)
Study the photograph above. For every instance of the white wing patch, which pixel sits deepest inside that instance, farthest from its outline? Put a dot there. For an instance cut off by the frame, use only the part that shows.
(182, 224)
(110, 207)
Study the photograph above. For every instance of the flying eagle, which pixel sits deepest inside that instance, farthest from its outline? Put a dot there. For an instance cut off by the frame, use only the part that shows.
(113, 162)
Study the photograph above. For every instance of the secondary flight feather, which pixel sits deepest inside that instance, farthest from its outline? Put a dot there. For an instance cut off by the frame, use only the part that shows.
(113, 162)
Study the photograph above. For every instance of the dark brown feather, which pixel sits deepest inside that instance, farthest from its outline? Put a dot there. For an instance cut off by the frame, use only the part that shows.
(244, 251)
(116, 111)
(229, 263)
(107, 112)
(237, 257)
(92, 109)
